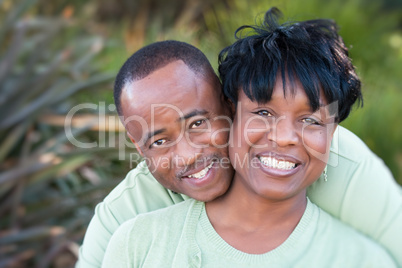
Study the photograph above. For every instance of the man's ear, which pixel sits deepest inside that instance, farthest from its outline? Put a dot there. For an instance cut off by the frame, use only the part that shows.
(135, 144)
(229, 104)
(232, 107)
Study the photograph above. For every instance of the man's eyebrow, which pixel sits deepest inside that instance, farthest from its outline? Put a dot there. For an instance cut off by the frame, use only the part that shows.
(191, 114)
(153, 133)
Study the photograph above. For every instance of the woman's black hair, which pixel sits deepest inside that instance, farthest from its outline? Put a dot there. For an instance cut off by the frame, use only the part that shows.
(309, 51)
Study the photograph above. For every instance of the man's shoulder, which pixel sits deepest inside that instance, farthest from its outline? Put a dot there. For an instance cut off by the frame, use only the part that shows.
(169, 214)
(349, 146)
(151, 239)
(134, 178)
(139, 192)
(351, 159)
(167, 221)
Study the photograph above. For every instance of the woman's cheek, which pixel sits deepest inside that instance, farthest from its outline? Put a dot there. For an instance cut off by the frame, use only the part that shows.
(317, 143)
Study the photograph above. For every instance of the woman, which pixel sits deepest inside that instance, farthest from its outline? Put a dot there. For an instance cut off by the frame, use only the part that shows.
(291, 85)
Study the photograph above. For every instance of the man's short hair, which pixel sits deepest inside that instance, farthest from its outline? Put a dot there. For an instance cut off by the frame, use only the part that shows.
(310, 51)
(155, 56)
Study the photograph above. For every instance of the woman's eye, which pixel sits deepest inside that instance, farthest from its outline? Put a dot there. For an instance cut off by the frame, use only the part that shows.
(263, 113)
(158, 143)
(310, 121)
(197, 123)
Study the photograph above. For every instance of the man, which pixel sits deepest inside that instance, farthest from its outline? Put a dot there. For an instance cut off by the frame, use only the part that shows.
(175, 113)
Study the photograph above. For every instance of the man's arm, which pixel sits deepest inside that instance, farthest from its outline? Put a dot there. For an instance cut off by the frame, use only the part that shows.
(117, 254)
(97, 236)
(138, 193)
(361, 192)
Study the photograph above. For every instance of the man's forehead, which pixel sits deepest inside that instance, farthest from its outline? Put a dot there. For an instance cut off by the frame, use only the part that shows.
(162, 86)
(162, 91)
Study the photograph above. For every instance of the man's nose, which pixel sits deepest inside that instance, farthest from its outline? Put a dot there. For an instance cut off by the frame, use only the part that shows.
(284, 132)
(187, 152)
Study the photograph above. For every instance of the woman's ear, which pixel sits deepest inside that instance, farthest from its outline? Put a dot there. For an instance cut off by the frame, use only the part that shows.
(135, 144)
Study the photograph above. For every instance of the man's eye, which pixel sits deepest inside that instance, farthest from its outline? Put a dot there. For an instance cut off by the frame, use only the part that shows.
(197, 123)
(158, 143)
(263, 113)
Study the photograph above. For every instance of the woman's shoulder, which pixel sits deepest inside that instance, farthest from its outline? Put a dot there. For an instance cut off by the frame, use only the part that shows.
(172, 212)
(348, 245)
(172, 217)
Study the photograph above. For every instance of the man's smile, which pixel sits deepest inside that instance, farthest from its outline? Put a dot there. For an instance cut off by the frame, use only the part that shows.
(201, 173)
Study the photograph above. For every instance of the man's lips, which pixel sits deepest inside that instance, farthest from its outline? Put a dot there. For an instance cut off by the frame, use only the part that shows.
(198, 172)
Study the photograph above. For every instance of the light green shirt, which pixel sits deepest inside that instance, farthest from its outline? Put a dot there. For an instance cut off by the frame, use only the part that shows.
(360, 191)
(182, 236)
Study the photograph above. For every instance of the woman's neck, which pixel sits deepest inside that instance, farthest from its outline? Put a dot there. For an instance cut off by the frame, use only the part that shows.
(252, 223)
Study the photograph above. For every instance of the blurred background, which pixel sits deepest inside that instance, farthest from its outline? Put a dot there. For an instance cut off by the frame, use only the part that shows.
(60, 57)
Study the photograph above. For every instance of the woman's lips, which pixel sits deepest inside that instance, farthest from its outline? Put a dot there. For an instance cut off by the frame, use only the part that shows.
(277, 164)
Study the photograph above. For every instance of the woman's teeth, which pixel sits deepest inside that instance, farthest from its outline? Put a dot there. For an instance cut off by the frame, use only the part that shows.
(201, 173)
(275, 163)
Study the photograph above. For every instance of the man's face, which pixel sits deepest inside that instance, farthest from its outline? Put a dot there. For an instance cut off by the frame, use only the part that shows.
(181, 125)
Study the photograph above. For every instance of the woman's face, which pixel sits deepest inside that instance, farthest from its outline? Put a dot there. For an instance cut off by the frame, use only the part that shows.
(280, 147)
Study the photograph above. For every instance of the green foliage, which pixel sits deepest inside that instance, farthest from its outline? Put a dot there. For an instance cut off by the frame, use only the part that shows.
(378, 123)
(48, 187)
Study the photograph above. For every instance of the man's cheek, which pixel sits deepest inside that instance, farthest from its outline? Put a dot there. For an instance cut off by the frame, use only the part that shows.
(160, 165)
(220, 138)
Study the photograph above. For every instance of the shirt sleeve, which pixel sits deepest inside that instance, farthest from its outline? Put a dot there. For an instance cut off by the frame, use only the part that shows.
(116, 255)
(100, 230)
(361, 192)
(138, 193)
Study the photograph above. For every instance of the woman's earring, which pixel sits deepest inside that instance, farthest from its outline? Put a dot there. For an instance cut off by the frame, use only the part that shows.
(324, 173)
